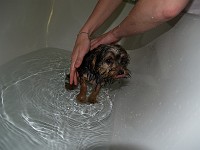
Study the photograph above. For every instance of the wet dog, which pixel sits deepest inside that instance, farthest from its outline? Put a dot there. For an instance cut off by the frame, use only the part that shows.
(103, 65)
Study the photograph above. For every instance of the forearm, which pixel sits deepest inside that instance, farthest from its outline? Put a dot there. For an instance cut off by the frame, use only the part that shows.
(101, 12)
(148, 14)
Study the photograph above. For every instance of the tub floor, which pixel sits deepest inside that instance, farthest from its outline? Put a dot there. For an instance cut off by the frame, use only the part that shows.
(37, 112)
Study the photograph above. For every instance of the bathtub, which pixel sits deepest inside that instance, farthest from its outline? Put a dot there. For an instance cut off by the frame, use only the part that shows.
(158, 108)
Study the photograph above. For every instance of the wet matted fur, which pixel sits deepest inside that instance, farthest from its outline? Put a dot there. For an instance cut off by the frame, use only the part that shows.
(102, 65)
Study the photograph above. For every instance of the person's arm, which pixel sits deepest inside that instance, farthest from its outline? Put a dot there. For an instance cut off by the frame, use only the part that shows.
(145, 15)
(101, 12)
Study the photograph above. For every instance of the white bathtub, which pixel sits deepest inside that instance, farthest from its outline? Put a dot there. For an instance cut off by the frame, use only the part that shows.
(157, 109)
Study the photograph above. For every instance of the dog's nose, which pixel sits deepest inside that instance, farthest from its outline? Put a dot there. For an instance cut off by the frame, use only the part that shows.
(120, 72)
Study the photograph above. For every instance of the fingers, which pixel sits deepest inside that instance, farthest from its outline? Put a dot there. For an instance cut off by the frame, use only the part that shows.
(75, 78)
(95, 43)
(99, 40)
(79, 59)
(72, 73)
(81, 47)
(106, 38)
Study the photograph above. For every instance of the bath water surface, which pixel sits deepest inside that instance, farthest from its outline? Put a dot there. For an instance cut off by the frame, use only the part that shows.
(37, 112)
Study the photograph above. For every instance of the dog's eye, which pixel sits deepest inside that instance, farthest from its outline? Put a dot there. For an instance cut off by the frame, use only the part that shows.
(124, 62)
(109, 61)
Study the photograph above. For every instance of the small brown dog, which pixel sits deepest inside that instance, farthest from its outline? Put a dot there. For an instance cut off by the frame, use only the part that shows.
(105, 64)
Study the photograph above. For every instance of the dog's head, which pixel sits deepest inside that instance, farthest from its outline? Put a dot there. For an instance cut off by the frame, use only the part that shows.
(111, 62)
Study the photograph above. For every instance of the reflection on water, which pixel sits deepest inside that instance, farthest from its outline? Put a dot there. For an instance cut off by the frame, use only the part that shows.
(38, 113)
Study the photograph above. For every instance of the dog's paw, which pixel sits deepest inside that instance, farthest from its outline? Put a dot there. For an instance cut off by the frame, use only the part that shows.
(92, 99)
(81, 98)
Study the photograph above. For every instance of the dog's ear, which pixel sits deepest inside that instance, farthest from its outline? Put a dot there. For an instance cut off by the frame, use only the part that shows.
(96, 56)
(101, 52)
(91, 60)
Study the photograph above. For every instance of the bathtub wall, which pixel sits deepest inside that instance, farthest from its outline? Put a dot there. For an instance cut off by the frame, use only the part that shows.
(28, 25)
(23, 27)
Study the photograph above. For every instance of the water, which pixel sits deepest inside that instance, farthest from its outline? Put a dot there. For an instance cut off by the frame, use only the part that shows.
(36, 112)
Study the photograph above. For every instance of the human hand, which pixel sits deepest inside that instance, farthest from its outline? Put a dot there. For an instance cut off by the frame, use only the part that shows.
(82, 46)
(107, 38)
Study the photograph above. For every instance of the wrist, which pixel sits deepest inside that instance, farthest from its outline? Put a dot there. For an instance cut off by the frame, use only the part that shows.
(86, 30)
(83, 33)
(116, 33)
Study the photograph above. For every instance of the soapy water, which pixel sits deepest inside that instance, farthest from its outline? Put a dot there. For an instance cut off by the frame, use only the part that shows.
(34, 100)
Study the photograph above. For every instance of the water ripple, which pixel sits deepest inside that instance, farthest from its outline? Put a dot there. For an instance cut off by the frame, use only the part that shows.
(35, 104)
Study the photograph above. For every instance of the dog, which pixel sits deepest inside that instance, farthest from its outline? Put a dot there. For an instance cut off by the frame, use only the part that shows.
(100, 66)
